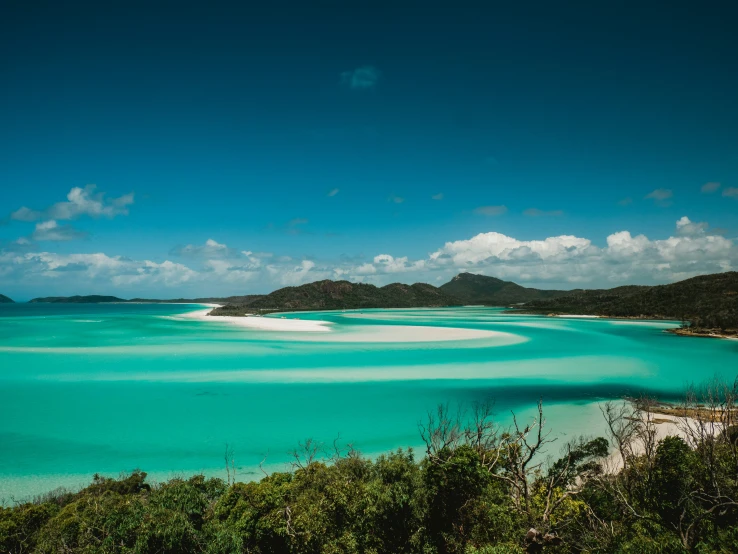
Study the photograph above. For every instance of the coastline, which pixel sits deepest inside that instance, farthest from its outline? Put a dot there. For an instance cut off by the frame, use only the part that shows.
(704, 333)
(680, 331)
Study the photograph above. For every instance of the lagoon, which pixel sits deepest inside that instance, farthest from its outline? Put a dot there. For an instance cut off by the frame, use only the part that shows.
(105, 388)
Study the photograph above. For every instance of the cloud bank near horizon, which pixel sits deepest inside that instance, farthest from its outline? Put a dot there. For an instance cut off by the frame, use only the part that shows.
(213, 268)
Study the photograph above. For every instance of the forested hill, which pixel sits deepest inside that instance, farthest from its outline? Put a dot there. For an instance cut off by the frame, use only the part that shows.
(337, 295)
(490, 291)
(708, 301)
(5, 300)
(91, 299)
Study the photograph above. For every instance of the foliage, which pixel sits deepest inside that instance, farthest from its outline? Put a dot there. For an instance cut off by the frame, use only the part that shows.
(338, 295)
(479, 489)
(490, 291)
(708, 301)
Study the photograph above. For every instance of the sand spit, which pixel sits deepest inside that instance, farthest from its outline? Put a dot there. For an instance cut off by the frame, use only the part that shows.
(363, 333)
(262, 323)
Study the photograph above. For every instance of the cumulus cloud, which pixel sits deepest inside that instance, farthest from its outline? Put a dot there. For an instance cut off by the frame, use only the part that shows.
(731, 192)
(535, 212)
(333, 192)
(687, 228)
(296, 274)
(80, 201)
(661, 197)
(568, 260)
(361, 78)
(710, 187)
(491, 210)
(438, 196)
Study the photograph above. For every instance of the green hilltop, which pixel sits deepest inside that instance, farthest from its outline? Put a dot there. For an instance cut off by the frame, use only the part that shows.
(490, 291)
(338, 295)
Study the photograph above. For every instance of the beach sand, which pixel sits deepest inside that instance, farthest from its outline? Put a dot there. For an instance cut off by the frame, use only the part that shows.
(364, 333)
(262, 323)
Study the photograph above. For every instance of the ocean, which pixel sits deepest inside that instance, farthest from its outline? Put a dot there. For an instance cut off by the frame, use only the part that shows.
(108, 388)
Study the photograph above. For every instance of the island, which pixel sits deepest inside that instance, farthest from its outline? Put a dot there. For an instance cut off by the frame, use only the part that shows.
(706, 305)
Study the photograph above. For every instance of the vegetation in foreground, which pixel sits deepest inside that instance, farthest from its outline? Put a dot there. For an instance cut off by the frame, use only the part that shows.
(477, 490)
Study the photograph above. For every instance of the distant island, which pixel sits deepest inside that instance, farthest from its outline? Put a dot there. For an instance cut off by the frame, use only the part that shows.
(708, 305)
(99, 299)
(91, 299)
(5, 300)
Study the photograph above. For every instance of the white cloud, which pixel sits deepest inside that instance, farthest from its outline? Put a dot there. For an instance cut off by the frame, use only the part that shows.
(333, 192)
(563, 261)
(491, 210)
(687, 228)
(80, 201)
(627, 201)
(568, 260)
(395, 199)
(296, 275)
(438, 196)
(361, 78)
(384, 263)
(710, 187)
(731, 192)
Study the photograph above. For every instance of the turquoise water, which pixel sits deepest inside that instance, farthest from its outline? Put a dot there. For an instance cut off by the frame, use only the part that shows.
(109, 388)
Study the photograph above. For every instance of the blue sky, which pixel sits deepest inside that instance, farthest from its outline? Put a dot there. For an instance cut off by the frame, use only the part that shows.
(319, 136)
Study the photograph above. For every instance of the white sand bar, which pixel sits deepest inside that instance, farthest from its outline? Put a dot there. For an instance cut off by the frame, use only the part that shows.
(262, 323)
(362, 333)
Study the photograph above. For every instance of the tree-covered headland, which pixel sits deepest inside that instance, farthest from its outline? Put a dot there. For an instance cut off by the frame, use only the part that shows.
(477, 489)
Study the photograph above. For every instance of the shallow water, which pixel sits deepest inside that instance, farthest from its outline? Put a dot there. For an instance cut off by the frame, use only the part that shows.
(109, 388)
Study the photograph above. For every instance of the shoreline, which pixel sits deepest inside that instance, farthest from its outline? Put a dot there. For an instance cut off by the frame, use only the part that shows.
(680, 331)
(705, 334)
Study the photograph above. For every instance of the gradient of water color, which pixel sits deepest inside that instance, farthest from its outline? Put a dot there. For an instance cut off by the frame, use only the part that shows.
(109, 388)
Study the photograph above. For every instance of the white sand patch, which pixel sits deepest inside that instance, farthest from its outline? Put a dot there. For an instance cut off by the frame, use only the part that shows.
(261, 323)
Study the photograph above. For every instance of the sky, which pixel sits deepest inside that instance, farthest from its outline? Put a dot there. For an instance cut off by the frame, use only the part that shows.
(174, 149)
